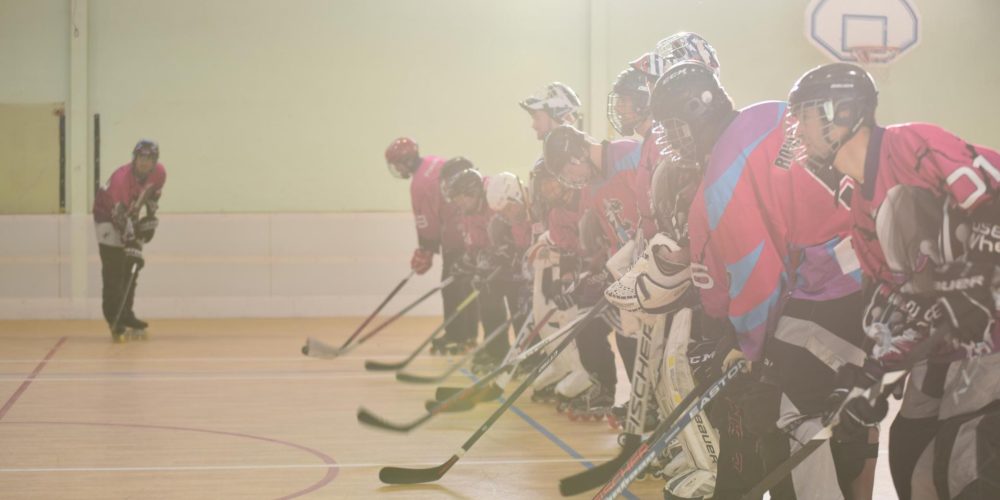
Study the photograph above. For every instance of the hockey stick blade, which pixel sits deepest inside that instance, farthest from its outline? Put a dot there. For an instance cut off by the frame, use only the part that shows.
(319, 349)
(486, 394)
(599, 474)
(399, 475)
(421, 379)
(377, 366)
(368, 418)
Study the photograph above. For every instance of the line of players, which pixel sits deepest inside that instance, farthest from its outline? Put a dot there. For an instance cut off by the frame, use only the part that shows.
(826, 244)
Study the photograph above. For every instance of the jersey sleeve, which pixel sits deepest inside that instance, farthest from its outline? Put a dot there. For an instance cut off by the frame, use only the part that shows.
(970, 174)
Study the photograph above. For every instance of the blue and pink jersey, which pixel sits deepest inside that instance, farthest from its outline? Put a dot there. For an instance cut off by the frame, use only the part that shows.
(761, 233)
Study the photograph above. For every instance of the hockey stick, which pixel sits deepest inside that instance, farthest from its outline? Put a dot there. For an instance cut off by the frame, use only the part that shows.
(918, 353)
(493, 391)
(379, 308)
(128, 288)
(634, 450)
(378, 366)
(319, 349)
(421, 379)
(367, 417)
(400, 475)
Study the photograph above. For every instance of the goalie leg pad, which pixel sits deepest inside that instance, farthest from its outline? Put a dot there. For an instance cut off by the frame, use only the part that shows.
(692, 485)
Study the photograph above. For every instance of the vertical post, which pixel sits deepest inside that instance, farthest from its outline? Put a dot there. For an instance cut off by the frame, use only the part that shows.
(77, 117)
(62, 161)
(97, 153)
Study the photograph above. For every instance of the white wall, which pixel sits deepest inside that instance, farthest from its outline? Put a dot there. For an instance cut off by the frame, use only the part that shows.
(34, 51)
(214, 265)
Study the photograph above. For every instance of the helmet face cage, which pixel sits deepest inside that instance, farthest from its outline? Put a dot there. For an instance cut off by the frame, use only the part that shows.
(468, 182)
(687, 47)
(565, 148)
(397, 171)
(628, 101)
(834, 95)
(146, 147)
(676, 141)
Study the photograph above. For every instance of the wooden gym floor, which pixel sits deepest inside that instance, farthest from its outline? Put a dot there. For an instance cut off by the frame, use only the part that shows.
(230, 409)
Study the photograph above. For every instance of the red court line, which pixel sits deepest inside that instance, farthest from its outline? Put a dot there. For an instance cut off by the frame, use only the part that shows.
(24, 385)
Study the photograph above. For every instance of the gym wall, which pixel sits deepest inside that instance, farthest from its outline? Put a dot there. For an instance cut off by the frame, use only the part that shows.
(272, 118)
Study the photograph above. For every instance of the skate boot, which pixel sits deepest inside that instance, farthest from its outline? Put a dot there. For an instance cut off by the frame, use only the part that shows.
(528, 365)
(119, 335)
(545, 395)
(617, 416)
(136, 328)
(443, 346)
(593, 404)
(484, 362)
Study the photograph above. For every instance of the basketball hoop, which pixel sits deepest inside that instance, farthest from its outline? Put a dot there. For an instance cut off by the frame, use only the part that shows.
(874, 54)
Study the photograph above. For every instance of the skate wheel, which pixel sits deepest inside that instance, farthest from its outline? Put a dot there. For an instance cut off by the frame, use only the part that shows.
(305, 349)
(642, 476)
(598, 418)
(119, 339)
(138, 334)
(572, 416)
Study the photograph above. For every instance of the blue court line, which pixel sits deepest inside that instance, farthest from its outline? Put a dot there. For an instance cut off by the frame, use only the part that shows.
(548, 434)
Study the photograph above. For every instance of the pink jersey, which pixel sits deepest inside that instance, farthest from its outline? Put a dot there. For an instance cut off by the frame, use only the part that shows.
(475, 227)
(948, 172)
(761, 233)
(613, 197)
(564, 229)
(437, 222)
(124, 187)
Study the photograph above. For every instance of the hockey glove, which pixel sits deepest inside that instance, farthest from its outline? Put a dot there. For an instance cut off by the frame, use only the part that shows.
(422, 260)
(856, 413)
(464, 268)
(146, 228)
(133, 255)
(965, 302)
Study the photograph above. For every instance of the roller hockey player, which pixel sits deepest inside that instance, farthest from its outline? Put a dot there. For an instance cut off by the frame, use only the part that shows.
(121, 233)
(463, 186)
(605, 173)
(554, 260)
(926, 225)
(773, 257)
(437, 226)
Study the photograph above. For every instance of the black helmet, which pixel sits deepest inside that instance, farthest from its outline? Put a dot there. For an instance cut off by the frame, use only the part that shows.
(562, 144)
(692, 108)
(628, 101)
(844, 95)
(450, 169)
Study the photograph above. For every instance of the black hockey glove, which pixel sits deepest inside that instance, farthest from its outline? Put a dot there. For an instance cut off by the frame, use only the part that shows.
(146, 228)
(464, 267)
(856, 413)
(133, 255)
(965, 300)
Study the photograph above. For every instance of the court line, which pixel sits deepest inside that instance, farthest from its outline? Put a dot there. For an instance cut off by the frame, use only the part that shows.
(208, 360)
(27, 381)
(331, 465)
(550, 435)
(286, 466)
(170, 377)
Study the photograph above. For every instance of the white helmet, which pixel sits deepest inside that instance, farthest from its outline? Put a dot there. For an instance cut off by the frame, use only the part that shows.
(502, 189)
(556, 99)
(686, 47)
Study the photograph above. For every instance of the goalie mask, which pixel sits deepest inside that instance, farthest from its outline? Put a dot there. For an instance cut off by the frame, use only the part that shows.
(692, 110)
(567, 157)
(687, 47)
(557, 100)
(826, 107)
(628, 101)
